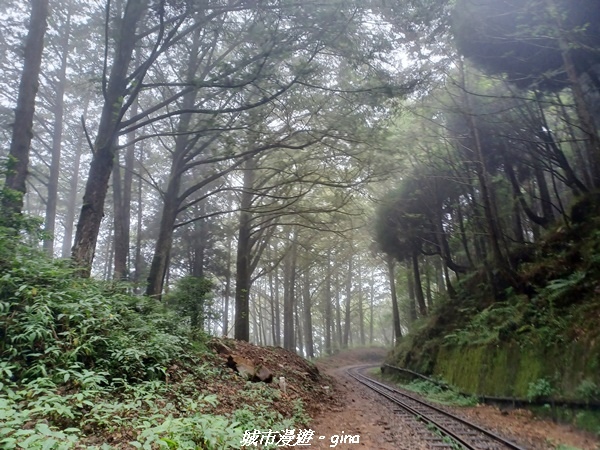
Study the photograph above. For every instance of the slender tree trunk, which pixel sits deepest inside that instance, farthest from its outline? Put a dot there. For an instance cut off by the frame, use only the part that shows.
(371, 306)
(361, 312)
(428, 289)
(395, 310)
(417, 286)
(59, 117)
(277, 321)
(121, 248)
(171, 200)
(227, 289)
(289, 300)
(493, 231)
(338, 312)
(73, 186)
(463, 234)
(138, 235)
(162, 249)
(122, 204)
(299, 337)
(412, 299)
(327, 305)
(308, 328)
(243, 260)
(101, 166)
(346, 338)
(22, 132)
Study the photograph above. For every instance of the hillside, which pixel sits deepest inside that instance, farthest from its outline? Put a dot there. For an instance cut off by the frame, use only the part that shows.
(538, 339)
(87, 365)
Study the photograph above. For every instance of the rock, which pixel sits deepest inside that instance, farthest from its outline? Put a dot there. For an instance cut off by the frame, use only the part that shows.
(248, 369)
(219, 347)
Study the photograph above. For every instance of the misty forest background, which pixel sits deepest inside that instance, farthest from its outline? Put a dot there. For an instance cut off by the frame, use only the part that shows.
(314, 174)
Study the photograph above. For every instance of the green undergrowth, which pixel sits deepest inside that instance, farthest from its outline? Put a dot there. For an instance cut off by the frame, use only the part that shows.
(518, 339)
(86, 364)
(441, 393)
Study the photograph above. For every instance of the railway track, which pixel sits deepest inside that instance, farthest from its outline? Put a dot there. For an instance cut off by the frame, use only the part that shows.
(462, 433)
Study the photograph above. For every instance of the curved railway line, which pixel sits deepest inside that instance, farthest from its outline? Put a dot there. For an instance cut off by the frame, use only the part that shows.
(463, 433)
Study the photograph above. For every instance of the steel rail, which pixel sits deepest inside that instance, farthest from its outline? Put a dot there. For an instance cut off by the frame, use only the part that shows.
(382, 389)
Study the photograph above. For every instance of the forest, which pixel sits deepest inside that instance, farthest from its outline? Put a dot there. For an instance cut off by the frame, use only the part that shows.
(314, 175)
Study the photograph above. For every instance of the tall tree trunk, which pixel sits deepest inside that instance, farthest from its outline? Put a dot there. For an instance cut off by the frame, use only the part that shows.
(361, 312)
(243, 259)
(338, 312)
(327, 300)
(171, 199)
(59, 117)
(395, 310)
(122, 204)
(227, 289)
(22, 132)
(289, 300)
(493, 230)
(137, 273)
(102, 162)
(307, 308)
(371, 306)
(121, 247)
(162, 249)
(299, 336)
(417, 285)
(277, 313)
(346, 338)
(412, 299)
(73, 186)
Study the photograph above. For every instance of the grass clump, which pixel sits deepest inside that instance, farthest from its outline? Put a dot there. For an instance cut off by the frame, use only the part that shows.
(445, 395)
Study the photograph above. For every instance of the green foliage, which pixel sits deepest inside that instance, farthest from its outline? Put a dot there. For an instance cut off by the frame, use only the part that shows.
(561, 287)
(445, 395)
(588, 390)
(82, 357)
(192, 298)
(539, 389)
(55, 323)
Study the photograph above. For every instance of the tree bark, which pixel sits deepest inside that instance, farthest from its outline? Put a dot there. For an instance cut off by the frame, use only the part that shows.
(327, 305)
(371, 306)
(412, 299)
(361, 312)
(137, 272)
(122, 204)
(102, 162)
(59, 113)
(243, 259)
(307, 304)
(417, 284)
(73, 186)
(289, 300)
(227, 293)
(171, 199)
(493, 231)
(162, 249)
(22, 132)
(346, 338)
(395, 310)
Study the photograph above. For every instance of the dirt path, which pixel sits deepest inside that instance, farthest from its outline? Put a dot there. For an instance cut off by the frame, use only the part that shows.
(354, 410)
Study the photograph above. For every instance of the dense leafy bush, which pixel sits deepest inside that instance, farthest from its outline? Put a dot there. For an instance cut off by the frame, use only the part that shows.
(82, 361)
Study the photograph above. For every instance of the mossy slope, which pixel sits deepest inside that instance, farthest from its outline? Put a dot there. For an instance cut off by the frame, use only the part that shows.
(547, 328)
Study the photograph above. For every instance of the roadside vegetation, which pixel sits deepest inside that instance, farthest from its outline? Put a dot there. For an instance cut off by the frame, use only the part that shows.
(87, 364)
